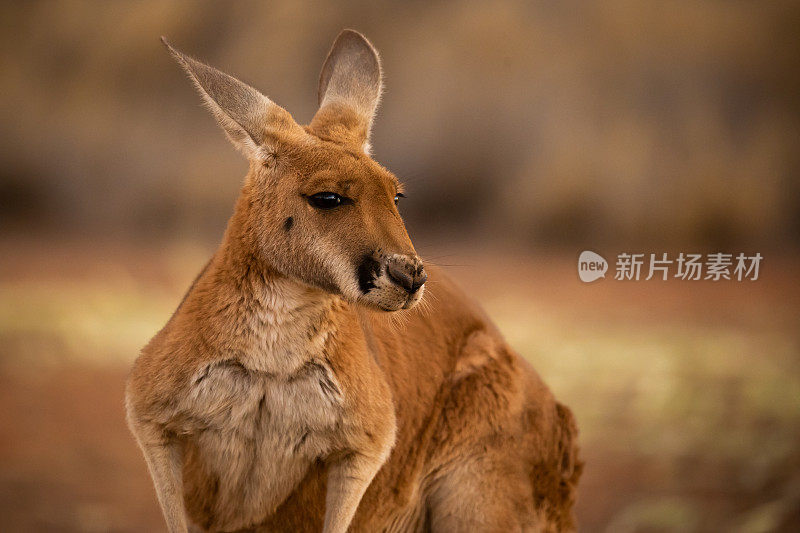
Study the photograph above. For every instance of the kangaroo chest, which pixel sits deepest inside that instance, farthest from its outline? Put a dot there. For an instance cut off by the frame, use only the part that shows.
(257, 434)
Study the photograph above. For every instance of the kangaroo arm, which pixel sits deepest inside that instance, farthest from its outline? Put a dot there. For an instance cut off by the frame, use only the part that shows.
(348, 479)
(164, 460)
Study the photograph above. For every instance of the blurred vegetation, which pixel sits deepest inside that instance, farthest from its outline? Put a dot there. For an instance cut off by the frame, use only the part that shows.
(665, 123)
(687, 395)
(516, 126)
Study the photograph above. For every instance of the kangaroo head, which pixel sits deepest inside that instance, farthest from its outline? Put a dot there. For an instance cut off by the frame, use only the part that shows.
(315, 206)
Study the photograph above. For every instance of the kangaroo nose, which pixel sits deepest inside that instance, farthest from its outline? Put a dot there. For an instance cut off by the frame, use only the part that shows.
(410, 276)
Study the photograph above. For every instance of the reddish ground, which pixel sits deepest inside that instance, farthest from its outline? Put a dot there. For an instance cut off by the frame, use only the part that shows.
(68, 463)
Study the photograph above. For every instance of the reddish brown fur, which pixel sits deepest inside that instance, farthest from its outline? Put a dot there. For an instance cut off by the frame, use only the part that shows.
(427, 413)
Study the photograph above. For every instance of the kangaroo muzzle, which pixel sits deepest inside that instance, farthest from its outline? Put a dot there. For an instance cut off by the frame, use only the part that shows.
(406, 272)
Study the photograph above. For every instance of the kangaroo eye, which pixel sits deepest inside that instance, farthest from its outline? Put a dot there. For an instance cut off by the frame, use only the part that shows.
(397, 197)
(327, 200)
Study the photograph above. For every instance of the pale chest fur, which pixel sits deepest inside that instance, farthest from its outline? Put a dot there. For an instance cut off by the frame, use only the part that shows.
(257, 421)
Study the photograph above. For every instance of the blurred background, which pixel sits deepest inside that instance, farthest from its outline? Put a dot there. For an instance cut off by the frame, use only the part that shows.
(525, 132)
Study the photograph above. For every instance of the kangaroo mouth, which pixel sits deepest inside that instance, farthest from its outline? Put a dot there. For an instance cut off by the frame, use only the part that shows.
(379, 290)
(390, 298)
(368, 272)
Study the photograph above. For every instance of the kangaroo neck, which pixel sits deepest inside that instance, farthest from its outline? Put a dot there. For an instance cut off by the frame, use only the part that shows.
(269, 322)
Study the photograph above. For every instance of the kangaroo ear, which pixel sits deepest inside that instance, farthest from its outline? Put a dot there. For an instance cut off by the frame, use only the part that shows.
(250, 120)
(349, 91)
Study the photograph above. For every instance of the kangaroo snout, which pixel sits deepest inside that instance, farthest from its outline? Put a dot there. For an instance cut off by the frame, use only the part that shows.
(406, 272)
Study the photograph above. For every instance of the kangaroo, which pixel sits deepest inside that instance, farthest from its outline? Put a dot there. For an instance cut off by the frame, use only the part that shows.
(301, 386)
